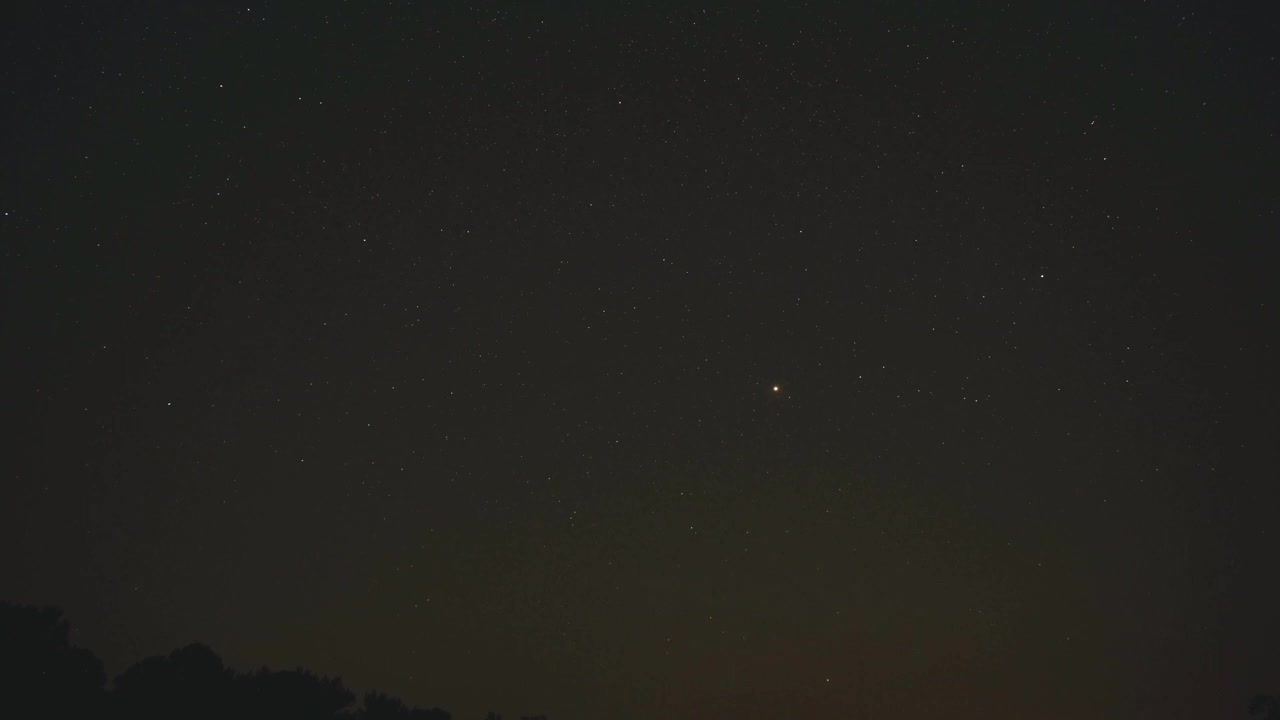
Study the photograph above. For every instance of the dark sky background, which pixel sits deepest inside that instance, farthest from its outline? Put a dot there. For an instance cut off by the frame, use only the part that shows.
(433, 345)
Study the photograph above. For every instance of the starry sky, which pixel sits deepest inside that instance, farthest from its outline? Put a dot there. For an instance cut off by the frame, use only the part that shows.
(623, 360)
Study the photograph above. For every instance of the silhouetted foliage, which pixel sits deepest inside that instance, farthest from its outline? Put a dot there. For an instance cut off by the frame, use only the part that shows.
(378, 706)
(382, 707)
(190, 682)
(1267, 706)
(292, 695)
(42, 675)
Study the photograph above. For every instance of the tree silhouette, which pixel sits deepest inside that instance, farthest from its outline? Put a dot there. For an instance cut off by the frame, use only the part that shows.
(190, 682)
(1267, 706)
(292, 695)
(42, 675)
(378, 706)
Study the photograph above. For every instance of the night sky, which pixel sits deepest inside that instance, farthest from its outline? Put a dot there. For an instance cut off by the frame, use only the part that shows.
(902, 360)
